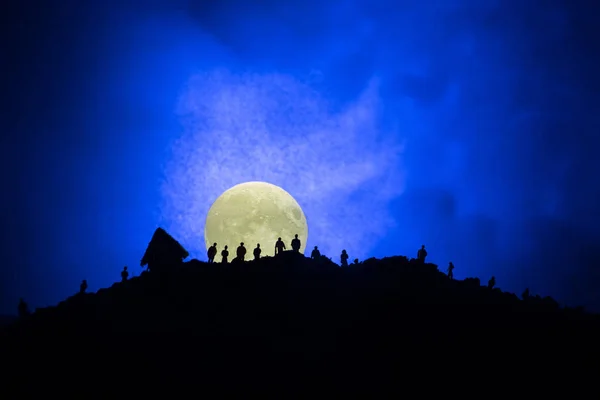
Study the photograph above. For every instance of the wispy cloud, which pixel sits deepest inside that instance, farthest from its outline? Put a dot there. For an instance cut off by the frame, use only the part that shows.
(274, 128)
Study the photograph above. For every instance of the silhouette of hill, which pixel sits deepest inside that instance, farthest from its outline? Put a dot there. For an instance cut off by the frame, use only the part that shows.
(7, 319)
(291, 325)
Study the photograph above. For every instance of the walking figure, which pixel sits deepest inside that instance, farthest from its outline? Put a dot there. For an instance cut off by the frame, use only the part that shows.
(211, 253)
(450, 269)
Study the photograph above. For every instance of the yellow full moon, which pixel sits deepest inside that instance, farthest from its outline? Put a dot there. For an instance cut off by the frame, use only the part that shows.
(254, 212)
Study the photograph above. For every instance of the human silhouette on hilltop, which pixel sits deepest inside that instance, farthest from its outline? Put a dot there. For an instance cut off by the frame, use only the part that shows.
(257, 251)
(83, 287)
(241, 252)
(315, 253)
(344, 258)
(124, 274)
(296, 244)
(211, 253)
(421, 254)
(23, 308)
(224, 255)
(450, 269)
(279, 246)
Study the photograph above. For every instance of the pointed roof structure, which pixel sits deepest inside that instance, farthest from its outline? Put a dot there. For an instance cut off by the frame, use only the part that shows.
(163, 247)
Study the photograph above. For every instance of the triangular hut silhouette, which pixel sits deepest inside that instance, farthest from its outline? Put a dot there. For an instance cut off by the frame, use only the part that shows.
(163, 252)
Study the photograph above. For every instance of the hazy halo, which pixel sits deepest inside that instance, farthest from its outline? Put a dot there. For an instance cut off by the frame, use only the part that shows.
(275, 128)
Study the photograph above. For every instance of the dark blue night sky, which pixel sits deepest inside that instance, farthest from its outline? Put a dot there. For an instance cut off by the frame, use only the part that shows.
(469, 126)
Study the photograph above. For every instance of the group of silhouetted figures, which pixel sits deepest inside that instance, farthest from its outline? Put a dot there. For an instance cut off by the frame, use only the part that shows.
(241, 250)
(279, 249)
(315, 255)
(161, 241)
(296, 244)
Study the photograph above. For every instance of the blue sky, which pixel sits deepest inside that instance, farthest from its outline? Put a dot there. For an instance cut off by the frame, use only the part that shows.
(467, 126)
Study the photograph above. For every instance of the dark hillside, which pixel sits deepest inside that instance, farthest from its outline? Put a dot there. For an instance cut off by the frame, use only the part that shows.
(292, 322)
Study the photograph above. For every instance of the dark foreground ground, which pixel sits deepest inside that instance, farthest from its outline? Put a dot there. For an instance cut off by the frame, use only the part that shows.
(292, 327)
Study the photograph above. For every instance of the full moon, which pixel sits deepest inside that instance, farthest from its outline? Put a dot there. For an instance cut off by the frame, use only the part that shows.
(254, 212)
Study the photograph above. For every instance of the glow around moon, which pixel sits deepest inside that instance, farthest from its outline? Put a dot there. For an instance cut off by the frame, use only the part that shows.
(279, 129)
(254, 212)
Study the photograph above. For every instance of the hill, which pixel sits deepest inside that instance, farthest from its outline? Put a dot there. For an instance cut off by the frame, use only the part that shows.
(7, 320)
(291, 325)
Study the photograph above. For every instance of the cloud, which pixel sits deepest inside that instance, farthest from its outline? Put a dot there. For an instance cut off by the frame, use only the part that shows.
(275, 128)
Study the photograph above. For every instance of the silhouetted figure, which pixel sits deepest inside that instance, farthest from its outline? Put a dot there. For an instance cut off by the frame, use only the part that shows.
(23, 308)
(315, 253)
(124, 274)
(279, 246)
(421, 254)
(296, 244)
(257, 251)
(224, 255)
(450, 270)
(492, 282)
(83, 287)
(344, 258)
(211, 253)
(525, 294)
(356, 261)
(241, 252)
(163, 252)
